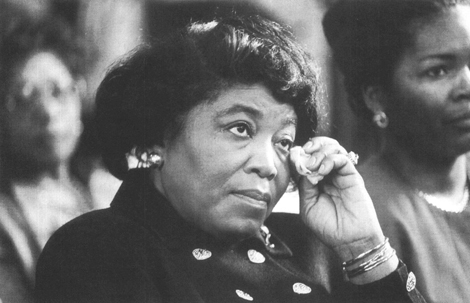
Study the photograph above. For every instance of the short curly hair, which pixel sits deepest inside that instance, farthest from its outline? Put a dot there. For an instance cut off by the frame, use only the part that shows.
(144, 99)
(369, 36)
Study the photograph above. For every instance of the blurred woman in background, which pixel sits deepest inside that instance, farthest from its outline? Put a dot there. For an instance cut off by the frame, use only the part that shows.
(406, 69)
(40, 68)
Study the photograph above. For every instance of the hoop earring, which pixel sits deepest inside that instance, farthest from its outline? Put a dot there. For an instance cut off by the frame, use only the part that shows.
(380, 119)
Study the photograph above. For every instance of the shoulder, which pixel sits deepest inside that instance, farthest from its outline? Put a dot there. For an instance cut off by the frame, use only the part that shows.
(100, 230)
(96, 255)
(16, 266)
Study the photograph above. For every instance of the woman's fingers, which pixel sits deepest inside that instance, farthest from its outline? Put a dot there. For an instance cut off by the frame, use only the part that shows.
(317, 143)
(299, 158)
(337, 162)
(316, 158)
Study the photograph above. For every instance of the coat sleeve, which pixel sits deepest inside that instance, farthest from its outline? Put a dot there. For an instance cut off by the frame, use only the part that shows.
(397, 287)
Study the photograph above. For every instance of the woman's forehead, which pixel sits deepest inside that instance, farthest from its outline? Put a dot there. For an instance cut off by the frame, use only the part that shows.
(42, 66)
(254, 100)
(441, 26)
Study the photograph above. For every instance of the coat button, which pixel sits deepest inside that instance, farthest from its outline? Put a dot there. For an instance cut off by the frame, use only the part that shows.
(201, 254)
(410, 282)
(301, 289)
(256, 257)
(244, 295)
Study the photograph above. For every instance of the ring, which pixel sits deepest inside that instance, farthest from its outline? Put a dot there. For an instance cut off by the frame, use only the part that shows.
(353, 157)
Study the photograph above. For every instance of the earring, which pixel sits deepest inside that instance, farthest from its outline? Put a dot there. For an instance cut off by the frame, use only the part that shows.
(154, 160)
(380, 119)
(146, 159)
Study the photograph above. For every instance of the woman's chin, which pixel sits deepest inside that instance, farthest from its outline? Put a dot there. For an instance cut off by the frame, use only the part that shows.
(237, 231)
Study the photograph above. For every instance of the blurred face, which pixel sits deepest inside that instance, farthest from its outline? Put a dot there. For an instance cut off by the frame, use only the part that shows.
(429, 106)
(229, 167)
(43, 110)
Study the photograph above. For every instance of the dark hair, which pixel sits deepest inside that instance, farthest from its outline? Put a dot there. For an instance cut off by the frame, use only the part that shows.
(144, 99)
(369, 36)
(25, 36)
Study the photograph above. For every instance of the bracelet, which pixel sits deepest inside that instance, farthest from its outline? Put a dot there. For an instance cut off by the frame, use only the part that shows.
(365, 254)
(383, 255)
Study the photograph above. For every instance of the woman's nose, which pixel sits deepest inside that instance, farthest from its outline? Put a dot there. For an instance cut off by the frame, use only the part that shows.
(263, 161)
(47, 107)
(463, 88)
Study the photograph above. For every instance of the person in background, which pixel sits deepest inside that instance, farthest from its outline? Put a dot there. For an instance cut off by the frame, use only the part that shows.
(210, 116)
(406, 69)
(40, 68)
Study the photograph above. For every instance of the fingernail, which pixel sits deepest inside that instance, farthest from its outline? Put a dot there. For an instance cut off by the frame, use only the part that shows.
(308, 145)
(321, 169)
(313, 160)
(314, 179)
(304, 170)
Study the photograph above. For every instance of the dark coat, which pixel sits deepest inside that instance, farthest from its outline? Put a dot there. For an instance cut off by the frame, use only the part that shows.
(141, 250)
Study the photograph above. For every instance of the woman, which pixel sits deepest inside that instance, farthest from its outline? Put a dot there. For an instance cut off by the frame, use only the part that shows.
(211, 114)
(40, 122)
(405, 66)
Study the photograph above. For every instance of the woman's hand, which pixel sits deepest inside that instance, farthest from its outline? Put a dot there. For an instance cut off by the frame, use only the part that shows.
(334, 203)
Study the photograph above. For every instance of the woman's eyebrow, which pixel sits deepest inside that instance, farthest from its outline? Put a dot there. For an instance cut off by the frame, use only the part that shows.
(253, 112)
(239, 108)
(443, 57)
(289, 121)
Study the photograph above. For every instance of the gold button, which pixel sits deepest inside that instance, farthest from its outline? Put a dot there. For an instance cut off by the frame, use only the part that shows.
(201, 254)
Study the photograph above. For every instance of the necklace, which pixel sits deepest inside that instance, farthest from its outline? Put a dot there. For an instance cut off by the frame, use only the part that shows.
(432, 199)
(442, 205)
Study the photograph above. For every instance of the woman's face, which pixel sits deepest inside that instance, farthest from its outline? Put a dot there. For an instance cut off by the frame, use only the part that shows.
(429, 98)
(229, 166)
(43, 110)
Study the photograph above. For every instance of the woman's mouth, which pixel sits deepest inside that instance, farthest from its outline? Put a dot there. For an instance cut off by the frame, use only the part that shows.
(254, 196)
(461, 121)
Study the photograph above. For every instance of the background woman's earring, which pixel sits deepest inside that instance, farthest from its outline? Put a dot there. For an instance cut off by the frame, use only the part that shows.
(154, 160)
(380, 119)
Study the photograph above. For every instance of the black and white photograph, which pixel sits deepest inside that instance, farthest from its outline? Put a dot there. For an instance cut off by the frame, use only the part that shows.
(224, 151)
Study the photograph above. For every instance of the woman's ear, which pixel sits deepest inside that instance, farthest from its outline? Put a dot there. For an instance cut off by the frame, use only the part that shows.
(156, 156)
(156, 160)
(374, 98)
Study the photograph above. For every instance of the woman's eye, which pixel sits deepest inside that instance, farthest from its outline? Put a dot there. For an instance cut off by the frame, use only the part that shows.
(286, 144)
(241, 130)
(437, 72)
